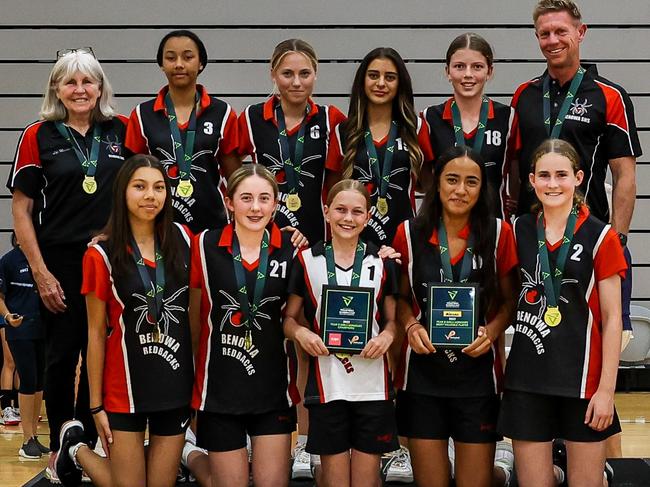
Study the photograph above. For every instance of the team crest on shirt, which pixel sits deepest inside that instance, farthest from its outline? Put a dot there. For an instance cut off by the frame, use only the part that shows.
(169, 162)
(578, 110)
(167, 316)
(113, 147)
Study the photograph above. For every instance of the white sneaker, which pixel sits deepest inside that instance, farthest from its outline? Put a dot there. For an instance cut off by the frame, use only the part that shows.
(50, 471)
(301, 468)
(398, 468)
(9, 417)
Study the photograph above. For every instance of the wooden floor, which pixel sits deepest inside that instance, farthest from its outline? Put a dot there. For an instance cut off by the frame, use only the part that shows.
(633, 410)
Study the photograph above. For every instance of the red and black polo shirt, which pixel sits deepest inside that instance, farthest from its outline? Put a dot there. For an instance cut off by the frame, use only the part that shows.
(258, 138)
(440, 126)
(230, 378)
(216, 134)
(448, 372)
(564, 360)
(600, 126)
(46, 169)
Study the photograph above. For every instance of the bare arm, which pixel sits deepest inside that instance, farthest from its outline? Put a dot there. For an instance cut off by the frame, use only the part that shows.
(601, 406)
(293, 330)
(489, 333)
(48, 286)
(96, 309)
(624, 192)
(229, 163)
(195, 317)
(416, 333)
(8, 315)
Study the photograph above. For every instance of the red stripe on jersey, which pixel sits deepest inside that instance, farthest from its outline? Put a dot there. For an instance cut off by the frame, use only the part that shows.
(515, 142)
(615, 113)
(335, 152)
(292, 368)
(308, 286)
(27, 153)
(594, 360)
(424, 141)
(135, 140)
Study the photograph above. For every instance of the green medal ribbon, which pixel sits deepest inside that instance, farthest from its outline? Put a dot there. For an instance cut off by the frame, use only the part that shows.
(292, 166)
(88, 162)
(553, 278)
(248, 308)
(445, 257)
(564, 109)
(381, 175)
(154, 290)
(185, 152)
(356, 266)
(482, 124)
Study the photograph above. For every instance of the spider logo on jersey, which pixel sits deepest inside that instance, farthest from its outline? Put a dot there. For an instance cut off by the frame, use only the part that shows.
(532, 289)
(366, 178)
(277, 167)
(169, 162)
(234, 316)
(167, 315)
(579, 108)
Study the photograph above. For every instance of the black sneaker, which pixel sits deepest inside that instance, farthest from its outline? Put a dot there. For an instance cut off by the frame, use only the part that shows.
(41, 446)
(72, 433)
(30, 450)
(559, 458)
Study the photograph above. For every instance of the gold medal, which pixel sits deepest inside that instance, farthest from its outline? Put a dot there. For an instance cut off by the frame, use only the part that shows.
(382, 206)
(293, 202)
(248, 340)
(89, 184)
(552, 317)
(185, 188)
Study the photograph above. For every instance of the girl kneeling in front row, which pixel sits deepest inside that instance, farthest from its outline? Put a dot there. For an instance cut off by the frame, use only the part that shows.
(349, 396)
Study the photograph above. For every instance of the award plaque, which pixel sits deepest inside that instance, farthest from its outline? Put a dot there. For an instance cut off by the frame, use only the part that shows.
(453, 312)
(346, 318)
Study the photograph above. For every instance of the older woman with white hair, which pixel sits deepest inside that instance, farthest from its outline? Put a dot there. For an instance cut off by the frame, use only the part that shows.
(61, 183)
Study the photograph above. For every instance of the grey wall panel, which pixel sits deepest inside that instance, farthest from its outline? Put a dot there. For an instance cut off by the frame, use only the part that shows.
(641, 218)
(641, 283)
(639, 248)
(8, 145)
(305, 12)
(17, 112)
(227, 44)
(333, 78)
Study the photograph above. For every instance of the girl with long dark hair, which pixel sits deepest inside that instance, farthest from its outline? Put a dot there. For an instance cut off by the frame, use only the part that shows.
(140, 367)
(445, 391)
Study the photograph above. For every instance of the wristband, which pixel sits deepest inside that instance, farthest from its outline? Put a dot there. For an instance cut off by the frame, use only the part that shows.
(96, 410)
(410, 325)
(5, 317)
(623, 238)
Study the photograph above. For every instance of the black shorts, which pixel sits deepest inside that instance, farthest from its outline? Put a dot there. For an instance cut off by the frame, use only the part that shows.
(227, 432)
(170, 422)
(29, 357)
(465, 419)
(540, 417)
(366, 426)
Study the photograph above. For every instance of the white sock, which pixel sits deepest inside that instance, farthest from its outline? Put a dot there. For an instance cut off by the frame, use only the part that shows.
(72, 453)
(302, 440)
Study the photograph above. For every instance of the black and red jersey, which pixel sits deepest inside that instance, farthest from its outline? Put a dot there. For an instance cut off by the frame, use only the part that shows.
(216, 134)
(401, 189)
(258, 138)
(439, 123)
(142, 373)
(564, 360)
(47, 170)
(230, 378)
(448, 372)
(344, 377)
(600, 126)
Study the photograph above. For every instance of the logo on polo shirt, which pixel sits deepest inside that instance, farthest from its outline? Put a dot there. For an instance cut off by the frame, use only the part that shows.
(578, 110)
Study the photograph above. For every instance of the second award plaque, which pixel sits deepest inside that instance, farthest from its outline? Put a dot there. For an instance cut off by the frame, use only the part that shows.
(453, 312)
(346, 318)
